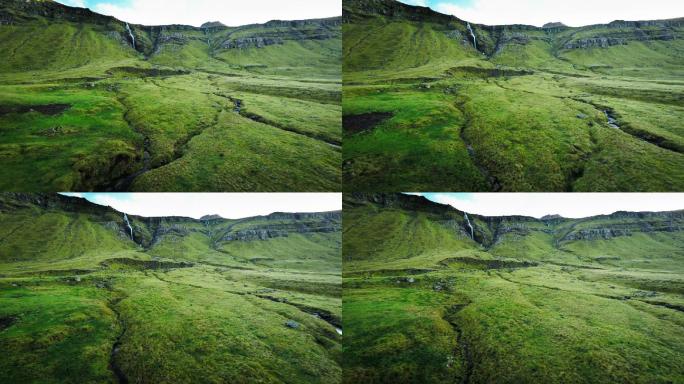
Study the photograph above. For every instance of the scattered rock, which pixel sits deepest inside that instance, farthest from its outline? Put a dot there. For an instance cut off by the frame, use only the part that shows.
(581, 116)
(292, 324)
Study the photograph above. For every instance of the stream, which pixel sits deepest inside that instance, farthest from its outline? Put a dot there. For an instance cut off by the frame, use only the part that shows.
(116, 347)
(612, 121)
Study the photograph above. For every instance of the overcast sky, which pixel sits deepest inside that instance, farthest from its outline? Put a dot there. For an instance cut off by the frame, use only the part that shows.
(574, 13)
(571, 205)
(197, 12)
(228, 205)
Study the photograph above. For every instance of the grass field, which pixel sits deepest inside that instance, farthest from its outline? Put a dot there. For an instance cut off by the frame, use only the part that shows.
(524, 300)
(526, 111)
(183, 300)
(183, 109)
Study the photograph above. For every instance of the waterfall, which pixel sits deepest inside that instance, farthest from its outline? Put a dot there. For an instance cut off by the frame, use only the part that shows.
(473, 35)
(130, 33)
(472, 232)
(129, 225)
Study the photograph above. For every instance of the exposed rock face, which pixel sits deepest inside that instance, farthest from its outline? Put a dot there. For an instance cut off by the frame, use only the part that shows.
(507, 38)
(597, 42)
(265, 232)
(151, 40)
(624, 35)
(554, 25)
(679, 22)
(213, 24)
(250, 42)
(489, 230)
(211, 217)
(172, 38)
(598, 233)
(148, 231)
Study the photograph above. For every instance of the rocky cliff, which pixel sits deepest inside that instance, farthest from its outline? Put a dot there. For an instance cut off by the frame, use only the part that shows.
(493, 39)
(151, 40)
(146, 232)
(489, 230)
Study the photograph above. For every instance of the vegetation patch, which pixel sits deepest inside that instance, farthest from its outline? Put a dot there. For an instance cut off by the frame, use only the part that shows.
(484, 108)
(487, 264)
(525, 309)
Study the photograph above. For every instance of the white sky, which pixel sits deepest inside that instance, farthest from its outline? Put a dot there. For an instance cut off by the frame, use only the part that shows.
(197, 12)
(571, 205)
(228, 205)
(539, 12)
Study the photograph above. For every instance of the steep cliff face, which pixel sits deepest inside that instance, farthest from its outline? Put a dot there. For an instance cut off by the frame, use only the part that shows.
(61, 216)
(491, 230)
(494, 39)
(152, 41)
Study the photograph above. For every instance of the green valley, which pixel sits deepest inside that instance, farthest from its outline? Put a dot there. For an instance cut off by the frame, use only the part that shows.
(89, 102)
(92, 295)
(435, 295)
(432, 102)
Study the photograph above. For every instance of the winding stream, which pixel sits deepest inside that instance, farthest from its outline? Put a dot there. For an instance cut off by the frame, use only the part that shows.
(116, 347)
(612, 121)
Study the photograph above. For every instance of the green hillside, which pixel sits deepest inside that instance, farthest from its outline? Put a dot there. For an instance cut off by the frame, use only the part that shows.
(86, 299)
(518, 299)
(88, 102)
(516, 108)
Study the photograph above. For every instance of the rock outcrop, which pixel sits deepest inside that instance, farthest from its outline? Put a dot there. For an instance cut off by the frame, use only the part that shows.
(490, 230)
(250, 42)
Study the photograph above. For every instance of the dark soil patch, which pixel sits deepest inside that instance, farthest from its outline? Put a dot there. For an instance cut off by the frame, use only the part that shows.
(46, 109)
(353, 124)
(486, 72)
(6, 322)
(147, 72)
(146, 264)
(488, 264)
(389, 272)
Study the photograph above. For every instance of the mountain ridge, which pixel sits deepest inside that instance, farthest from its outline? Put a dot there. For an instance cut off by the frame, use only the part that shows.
(397, 8)
(404, 200)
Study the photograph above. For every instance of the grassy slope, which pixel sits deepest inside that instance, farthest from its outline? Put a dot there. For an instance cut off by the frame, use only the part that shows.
(517, 142)
(421, 304)
(124, 121)
(70, 286)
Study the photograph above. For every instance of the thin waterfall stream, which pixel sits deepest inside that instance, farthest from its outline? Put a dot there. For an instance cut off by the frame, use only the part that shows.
(130, 33)
(472, 232)
(473, 35)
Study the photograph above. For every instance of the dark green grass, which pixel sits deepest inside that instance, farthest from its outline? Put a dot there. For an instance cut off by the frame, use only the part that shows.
(80, 301)
(422, 302)
(530, 110)
(157, 119)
